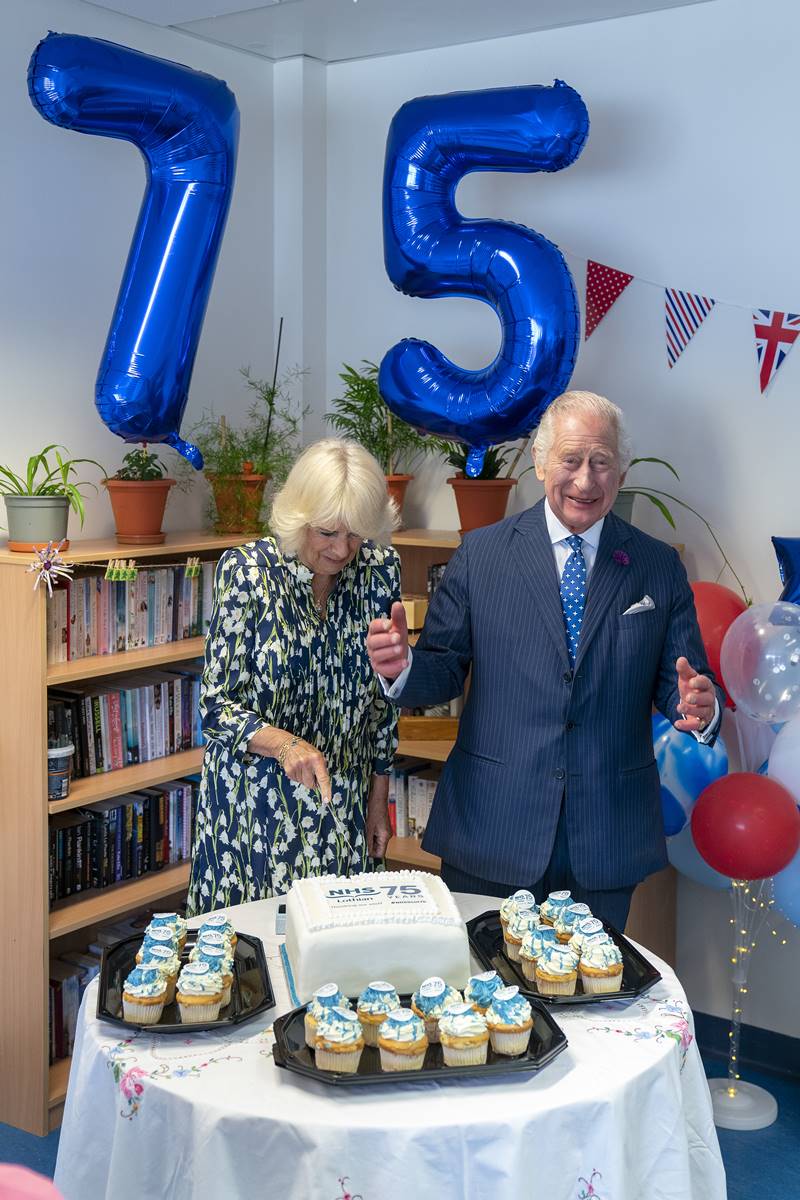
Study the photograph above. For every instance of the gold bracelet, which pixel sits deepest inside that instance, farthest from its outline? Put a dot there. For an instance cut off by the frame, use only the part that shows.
(284, 750)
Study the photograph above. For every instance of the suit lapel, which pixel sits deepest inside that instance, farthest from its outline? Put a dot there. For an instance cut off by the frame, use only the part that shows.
(604, 582)
(533, 554)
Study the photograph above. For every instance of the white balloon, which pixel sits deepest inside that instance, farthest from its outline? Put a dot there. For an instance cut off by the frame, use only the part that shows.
(784, 759)
(760, 661)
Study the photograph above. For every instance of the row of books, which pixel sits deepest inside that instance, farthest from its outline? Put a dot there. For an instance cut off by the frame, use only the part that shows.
(412, 785)
(72, 972)
(146, 715)
(120, 839)
(91, 615)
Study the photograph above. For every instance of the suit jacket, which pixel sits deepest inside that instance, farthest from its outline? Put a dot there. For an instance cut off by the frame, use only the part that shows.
(533, 730)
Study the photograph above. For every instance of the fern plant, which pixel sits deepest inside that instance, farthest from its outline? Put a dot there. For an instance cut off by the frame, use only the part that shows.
(361, 413)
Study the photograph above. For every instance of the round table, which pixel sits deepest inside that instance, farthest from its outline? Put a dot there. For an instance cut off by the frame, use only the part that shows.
(623, 1113)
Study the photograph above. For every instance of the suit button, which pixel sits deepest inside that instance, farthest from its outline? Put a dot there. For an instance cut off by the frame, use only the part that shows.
(570, 725)
(568, 677)
(560, 773)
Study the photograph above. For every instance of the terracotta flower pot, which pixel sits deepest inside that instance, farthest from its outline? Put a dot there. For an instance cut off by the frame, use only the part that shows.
(138, 506)
(396, 487)
(480, 501)
(238, 500)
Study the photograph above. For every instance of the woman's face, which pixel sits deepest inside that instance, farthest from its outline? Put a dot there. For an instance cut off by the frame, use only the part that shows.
(328, 551)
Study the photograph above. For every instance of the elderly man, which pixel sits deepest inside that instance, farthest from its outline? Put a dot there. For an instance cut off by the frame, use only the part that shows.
(574, 624)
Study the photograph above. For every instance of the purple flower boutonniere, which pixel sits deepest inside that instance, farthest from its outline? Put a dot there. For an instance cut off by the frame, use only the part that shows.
(621, 558)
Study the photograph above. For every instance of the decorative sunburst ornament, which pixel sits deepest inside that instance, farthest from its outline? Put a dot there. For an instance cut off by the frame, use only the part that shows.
(48, 565)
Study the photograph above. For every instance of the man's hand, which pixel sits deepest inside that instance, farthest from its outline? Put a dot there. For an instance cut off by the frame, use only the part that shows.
(698, 699)
(387, 643)
(379, 829)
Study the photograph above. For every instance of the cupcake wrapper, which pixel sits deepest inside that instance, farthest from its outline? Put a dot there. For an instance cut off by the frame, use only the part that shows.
(401, 1062)
(194, 1014)
(345, 1064)
(464, 1056)
(226, 995)
(528, 968)
(512, 950)
(370, 1031)
(142, 1014)
(509, 1043)
(171, 984)
(551, 987)
(594, 985)
(310, 1027)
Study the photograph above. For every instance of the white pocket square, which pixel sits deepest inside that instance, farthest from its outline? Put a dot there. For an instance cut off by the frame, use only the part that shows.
(643, 605)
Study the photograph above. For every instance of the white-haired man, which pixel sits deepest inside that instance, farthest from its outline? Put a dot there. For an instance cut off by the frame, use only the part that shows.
(574, 624)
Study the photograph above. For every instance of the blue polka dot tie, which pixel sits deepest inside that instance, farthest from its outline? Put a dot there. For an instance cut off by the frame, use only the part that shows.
(573, 594)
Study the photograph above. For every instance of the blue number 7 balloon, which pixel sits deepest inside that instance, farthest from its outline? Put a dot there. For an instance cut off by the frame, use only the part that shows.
(430, 251)
(186, 125)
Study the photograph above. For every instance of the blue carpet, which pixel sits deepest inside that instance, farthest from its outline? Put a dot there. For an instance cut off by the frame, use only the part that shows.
(758, 1164)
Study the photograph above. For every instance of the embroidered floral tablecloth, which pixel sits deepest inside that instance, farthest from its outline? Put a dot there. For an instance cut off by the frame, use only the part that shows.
(622, 1114)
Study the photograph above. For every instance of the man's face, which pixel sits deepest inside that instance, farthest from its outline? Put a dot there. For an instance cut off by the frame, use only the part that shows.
(581, 476)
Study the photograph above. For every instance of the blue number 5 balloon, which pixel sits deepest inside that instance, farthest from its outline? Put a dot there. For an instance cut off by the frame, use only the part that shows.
(430, 251)
(186, 125)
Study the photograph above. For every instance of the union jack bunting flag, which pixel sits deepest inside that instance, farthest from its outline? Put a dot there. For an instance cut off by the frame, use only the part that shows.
(775, 335)
(685, 313)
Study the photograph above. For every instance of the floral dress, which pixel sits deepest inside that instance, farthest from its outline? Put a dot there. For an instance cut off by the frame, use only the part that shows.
(271, 659)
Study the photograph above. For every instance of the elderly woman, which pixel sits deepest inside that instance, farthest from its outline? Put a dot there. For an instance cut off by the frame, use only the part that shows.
(299, 738)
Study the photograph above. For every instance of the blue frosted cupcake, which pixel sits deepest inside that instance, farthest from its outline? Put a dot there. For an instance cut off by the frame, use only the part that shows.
(533, 946)
(339, 1041)
(144, 994)
(464, 1036)
(169, 920)
(430, 1000)
(325, 997)
(520, 899)
(551, 907)
(162, 936)
(402, 1041)
(601, 967)
(167, 962)
(510, 1020)
(219, 960)
(374, 1004)
(592, 927)
(557, 971)
(480, 989)
(568, 919)
(199, 993)
(219, 923)
(520, 922)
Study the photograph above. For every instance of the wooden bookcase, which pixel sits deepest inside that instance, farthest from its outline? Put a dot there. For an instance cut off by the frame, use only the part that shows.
(32, 1093)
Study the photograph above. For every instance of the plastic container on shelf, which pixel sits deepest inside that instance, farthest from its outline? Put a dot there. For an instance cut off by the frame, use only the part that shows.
(59, 770)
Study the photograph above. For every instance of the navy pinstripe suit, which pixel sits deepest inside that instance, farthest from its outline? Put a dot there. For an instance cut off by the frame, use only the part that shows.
(534, 731)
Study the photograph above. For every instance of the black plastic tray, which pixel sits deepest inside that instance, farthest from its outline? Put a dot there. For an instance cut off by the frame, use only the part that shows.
(251, 990)
(290, 1051)
(486, 940)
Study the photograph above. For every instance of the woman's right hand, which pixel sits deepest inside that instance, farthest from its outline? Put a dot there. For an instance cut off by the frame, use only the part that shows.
(304, 763)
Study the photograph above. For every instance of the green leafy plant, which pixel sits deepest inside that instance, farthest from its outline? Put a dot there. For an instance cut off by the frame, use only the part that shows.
(361, 413)
(657, 497)
(44, 478)
(140, 466)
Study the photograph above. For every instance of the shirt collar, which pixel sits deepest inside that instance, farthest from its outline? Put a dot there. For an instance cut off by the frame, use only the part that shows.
(559, 532)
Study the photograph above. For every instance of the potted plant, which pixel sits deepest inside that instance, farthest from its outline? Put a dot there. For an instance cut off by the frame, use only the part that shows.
(138, 494)
(38, 502)
(361, 413)
(240, 461)
(482, 499)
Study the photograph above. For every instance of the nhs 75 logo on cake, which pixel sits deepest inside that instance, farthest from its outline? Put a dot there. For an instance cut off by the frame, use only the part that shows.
(390, 895)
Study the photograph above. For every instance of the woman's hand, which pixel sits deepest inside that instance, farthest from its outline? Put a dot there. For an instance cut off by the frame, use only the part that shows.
(300, 761)
(378, 828)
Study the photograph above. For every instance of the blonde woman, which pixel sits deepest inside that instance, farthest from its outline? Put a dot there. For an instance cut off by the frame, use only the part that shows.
(299, 737)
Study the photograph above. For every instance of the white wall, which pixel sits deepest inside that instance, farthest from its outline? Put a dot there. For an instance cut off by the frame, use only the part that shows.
(68, 206)
(688, 179)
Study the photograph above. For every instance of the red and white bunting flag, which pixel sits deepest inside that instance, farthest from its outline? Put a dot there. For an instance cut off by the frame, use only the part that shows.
(604, 286)
(685, 313)
(776, 333)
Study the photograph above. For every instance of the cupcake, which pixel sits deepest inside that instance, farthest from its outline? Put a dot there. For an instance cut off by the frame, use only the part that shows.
(374, 1004)
(199, 993)
(218, 941)
(521, 899)
(510, 1020)
(480, 989)
(591, 927)
(169, 920)
(168, 963)
(600, 966)
(464, 1035)
(402, 1041)
(532, 947)
(219, 923)
(163, 936)
(219, 960)
(327, 996)
(557, 971)
(567, 920)
(144, 994)
(339, 1041)
(552, 905)
(430, 1000)
(520, 922)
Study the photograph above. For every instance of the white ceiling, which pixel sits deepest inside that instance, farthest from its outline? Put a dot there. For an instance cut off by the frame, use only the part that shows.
(336, 30)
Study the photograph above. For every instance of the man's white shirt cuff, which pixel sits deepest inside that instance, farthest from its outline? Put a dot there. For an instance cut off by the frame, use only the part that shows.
(711, 728)
(393, 688)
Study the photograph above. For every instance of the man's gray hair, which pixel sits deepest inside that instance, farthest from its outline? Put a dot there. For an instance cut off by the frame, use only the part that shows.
(576, 404)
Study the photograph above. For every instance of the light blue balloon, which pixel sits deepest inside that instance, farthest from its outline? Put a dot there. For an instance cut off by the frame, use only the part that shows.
(686, 767)
(686, 858)
(787, 890)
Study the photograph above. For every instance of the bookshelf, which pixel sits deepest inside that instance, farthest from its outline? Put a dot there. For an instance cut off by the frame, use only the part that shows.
(34, 1093)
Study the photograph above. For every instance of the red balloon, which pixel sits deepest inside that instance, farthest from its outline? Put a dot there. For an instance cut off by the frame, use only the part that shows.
(747, 826)
(717, 608)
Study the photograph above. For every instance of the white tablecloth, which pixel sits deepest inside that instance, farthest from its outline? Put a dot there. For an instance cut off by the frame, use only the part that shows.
(622, 1114)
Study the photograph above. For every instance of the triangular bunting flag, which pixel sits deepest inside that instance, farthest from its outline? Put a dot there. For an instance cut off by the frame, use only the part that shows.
(604, 286)
(685, 313)
(775, 335)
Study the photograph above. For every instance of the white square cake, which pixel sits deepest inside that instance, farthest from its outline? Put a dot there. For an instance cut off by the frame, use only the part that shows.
(397, 925)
